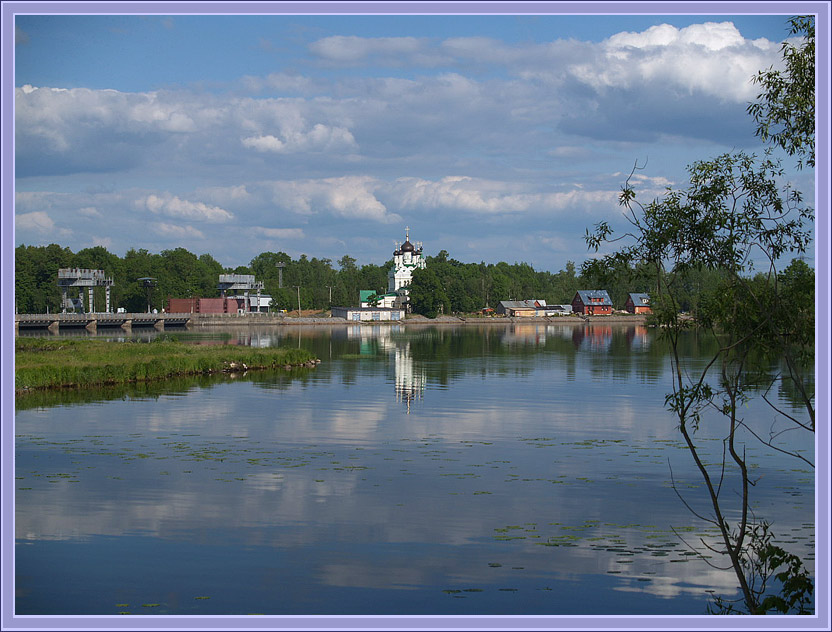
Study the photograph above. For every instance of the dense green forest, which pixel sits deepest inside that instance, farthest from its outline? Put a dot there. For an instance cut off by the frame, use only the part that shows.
(446, 285)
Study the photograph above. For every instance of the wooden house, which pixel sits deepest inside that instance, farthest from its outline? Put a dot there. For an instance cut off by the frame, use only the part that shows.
(592, 303)
(638, 303)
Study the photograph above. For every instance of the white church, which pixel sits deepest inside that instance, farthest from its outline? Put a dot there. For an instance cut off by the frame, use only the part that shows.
(406, 259)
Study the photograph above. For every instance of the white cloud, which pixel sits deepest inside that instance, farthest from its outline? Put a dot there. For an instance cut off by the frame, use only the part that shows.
(493, 140)
(319, 138)
(710, 58)
(341, 48)
(265, 143)
(280, 233)
(710, 35)
(224, 196)
(173, 206)
(106, 242)
(489, 197)
(349, 196)
(178, 232)
(632, 85)
(38, 221)
(152, 111)
(41, 223)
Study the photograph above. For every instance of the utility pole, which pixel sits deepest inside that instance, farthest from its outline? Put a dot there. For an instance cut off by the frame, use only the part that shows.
(330, 300)
(298, 288)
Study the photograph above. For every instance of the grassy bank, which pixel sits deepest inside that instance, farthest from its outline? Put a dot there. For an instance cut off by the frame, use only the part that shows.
(53, 363)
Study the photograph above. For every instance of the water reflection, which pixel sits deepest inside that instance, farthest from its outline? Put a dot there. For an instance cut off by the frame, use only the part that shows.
(535, 473)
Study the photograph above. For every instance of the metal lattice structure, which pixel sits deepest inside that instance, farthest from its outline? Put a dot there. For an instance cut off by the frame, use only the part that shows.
(82, 278)
(237, 283)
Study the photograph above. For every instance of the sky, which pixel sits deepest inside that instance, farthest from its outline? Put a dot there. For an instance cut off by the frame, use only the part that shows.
(493, 137)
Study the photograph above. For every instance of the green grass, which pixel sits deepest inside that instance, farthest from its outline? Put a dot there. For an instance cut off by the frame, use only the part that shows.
(52, 363)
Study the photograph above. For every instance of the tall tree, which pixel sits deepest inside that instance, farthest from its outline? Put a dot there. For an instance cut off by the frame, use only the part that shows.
(785, 109)
(737, 219)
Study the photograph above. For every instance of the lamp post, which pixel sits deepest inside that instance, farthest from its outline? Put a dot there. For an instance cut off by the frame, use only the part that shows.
(149, 283)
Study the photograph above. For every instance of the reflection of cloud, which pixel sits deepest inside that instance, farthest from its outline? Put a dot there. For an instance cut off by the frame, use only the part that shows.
(173, 418)
(395, 513)
(696, 582)
(362, 575)
(357, 421)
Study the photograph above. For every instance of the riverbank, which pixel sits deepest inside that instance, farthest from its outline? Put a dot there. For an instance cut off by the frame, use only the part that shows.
(61, 363)
(235, 320)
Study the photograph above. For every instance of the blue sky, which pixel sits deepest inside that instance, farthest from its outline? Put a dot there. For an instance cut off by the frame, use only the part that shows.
(496, 138)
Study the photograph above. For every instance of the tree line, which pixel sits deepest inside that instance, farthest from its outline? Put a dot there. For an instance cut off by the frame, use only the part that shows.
(179, 273)
(461, 287)
(444, 286)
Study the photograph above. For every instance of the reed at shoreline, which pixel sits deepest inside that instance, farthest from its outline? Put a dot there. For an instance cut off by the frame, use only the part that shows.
(43, 363)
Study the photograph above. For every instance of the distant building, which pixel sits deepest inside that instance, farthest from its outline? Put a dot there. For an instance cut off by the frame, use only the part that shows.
(79, 278)
(368, 298)
(517, 308)
(248, 298)
(227, 305)
(592, 303)
(406, 259)
(638, 303)
(252, 303)
(368, 313)
(246, 287)
(531, 307)
(198, 305)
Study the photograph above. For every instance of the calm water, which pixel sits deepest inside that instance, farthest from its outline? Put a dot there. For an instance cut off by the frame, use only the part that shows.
(521, 469)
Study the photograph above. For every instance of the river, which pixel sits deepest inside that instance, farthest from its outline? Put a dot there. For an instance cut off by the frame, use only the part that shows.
(418, 470)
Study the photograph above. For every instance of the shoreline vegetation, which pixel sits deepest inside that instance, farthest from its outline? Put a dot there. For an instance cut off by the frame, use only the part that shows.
(42, 363)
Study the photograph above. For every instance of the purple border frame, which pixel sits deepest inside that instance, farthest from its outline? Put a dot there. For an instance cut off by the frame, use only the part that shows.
(821, 621)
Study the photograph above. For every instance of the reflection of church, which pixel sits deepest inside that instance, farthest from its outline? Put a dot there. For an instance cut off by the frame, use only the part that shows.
(409, 378)
(410, 382)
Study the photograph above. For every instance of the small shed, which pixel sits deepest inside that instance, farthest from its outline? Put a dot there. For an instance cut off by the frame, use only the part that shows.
(638, 303)
(592, 303)
(527, 308)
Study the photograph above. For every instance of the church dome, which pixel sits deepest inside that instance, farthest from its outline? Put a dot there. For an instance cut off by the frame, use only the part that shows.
(408, 247)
